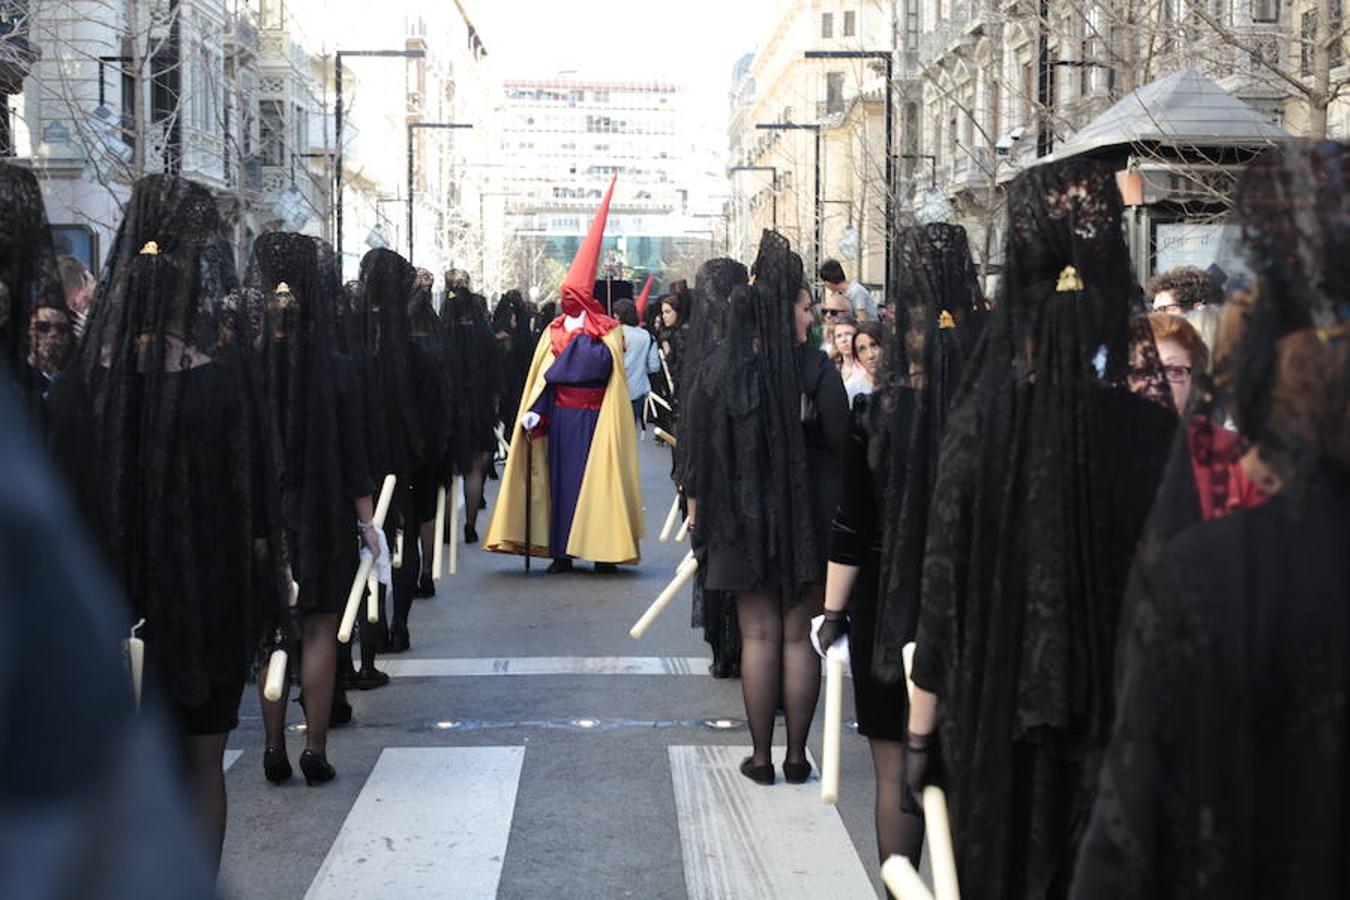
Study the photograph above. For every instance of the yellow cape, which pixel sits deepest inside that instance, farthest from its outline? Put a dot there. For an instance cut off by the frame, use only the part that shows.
(608, 523)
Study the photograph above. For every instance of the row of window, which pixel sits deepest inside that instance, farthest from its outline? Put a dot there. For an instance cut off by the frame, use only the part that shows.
(848, 27)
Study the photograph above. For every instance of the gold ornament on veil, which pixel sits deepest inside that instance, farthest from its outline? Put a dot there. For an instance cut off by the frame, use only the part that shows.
(1069, 281)
(945, 320)
(150, 249)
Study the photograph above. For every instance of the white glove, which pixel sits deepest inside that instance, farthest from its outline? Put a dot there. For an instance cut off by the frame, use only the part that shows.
(384, 571)
(839, 649)
(529, 421)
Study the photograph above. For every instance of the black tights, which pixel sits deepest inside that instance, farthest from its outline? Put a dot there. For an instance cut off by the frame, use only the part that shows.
(473, 488)
(206, 774)
(898, 832)
(318, 680)
(777, 661)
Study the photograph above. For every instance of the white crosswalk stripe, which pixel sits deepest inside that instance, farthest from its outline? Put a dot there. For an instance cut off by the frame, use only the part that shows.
(545, 665)
(748, 841)
(430, 822)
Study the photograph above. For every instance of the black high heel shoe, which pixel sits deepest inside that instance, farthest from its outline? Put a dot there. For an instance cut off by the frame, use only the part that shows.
(758, 774)
(399, 639)
(796, 773)
(316, 768)
(276, 766)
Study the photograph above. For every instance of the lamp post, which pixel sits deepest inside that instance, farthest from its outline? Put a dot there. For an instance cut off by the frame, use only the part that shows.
(337, 71)
(773, 194)
(797, 126)
(412, 205)
(887, 57)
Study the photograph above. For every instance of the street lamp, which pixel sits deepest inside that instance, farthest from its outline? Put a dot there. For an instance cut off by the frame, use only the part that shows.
(795, 126)
(887, 57)
(337, 71)
(412, 206)
(773, 194)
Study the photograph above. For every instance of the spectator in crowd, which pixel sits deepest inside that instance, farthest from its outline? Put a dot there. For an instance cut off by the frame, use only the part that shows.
(837, 283)
(841, 345)
(1181, 290)
(866, 355)
(79, 284)
(831, 309)
(640, 358)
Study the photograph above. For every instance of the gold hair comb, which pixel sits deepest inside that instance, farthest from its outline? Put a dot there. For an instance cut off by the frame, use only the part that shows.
(1069, 281)
(150, 249)
(945, 320)
(282, 288)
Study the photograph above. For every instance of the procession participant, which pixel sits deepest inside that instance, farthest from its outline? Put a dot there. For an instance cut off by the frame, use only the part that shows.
(1226, 768)
(585, 497)
(475, 385)
(713, 611)
(30, 280)
(395, 438)
(515, 343)
(185, 498)
(877, 536)
(312, 403)
(769, 421)
(1048, 468)
(431, 377)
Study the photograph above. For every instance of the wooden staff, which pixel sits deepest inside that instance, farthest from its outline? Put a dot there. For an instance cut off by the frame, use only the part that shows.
(682, 575)
(941, 851)
(457, 493)
(667, 528)
(136, 659)
(367, 563)
(665, 437)
(437, 550)
(276, 675)
(834, 725)
(898, 874)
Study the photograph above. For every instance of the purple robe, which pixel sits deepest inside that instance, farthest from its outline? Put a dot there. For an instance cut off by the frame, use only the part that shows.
(582, 372)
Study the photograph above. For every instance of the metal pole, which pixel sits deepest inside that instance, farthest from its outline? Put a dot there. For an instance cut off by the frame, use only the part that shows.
(819, 217)
(337, 175)
(890, 174)
(410, 193)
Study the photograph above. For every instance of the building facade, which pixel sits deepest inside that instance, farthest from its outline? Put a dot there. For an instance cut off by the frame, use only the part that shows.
(562, 141)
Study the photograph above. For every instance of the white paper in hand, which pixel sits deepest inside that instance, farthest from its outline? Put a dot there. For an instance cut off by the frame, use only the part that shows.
(838, 650)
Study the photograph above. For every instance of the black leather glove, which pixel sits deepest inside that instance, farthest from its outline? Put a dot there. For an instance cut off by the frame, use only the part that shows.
(833, 628)
(921, 766)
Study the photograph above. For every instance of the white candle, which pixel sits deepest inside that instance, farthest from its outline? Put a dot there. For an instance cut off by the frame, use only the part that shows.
(907, 654)
(682, 575)
(683, 532)
(397, 561)
(834, 725)
(457, 492)
(372, 599)
(901, 880)
(665, 437)
(657, 398)
(136, 660)
(276, 676)
(437, 549)
(941, 851)
(367, 563)
(671, 516)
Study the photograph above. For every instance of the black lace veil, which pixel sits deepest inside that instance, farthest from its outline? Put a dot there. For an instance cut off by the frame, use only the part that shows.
(186, 488)
(381, 329)
(475, 377)
(511, 325)
(28, 274)
(939, 313)
(1047, 470)
(753, 485)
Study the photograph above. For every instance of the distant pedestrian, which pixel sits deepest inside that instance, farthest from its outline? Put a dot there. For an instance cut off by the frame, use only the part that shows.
(858, 297)
(640, 358)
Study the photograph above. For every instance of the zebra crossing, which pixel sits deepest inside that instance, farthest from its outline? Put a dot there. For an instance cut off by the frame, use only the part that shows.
(435, 822)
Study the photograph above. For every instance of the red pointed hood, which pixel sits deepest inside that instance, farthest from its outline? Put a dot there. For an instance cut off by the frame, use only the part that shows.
(578, 288)
(642, 298)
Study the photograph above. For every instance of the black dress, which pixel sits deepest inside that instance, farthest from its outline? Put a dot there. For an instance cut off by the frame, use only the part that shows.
(855, 540)
(1226, 775)
(825, 423)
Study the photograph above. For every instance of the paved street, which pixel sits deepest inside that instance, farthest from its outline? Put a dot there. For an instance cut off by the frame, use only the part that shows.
(527, 747)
